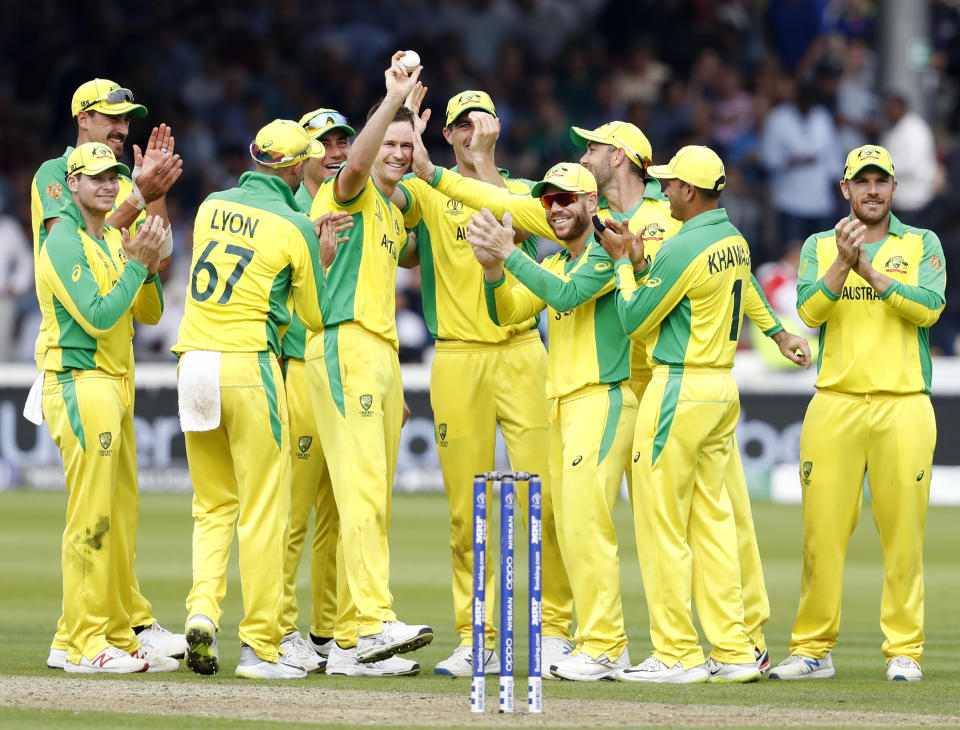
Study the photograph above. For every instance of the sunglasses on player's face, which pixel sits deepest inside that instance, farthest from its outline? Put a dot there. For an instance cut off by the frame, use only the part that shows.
(562, 197)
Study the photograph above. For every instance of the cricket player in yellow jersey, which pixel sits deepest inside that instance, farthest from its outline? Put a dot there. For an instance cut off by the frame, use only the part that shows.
(592, 418)
(310, 478)
(618, 154)
(354, 373)
(103, 110)
(92, 281)
(873, 286)
(688, 308)
(499, 369)
(626, 198)
(253, 246)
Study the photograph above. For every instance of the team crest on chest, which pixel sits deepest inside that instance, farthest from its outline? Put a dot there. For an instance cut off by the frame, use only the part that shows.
(304, 443)
(896, 265)
(652, 232)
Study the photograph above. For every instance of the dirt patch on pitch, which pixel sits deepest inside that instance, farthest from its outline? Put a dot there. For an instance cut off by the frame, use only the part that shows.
(284, 703)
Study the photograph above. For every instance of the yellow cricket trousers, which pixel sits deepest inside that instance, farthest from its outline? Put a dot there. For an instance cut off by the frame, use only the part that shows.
(90, 416)
(590, 442)
(473, 387)
(756, 604)
(890, 438)
(241, 476)
(310, 488)
(358, 404)
(683, 515)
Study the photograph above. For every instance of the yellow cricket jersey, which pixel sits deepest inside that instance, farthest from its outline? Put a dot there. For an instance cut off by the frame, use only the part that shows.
(687, 305)
(650, 220)
(454, 305)
(587, 343)
(362, 280)
(870, 342)
(294, 342)
(252, 245)
(49, 192)
(89, 294)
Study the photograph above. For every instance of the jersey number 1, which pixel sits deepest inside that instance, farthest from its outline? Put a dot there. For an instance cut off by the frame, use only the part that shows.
(737, 296)
(245, 255)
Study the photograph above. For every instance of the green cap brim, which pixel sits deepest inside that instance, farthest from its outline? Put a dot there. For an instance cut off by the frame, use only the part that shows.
(137, 111)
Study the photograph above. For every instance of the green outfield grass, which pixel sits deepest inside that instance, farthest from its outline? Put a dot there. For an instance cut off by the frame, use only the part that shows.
(31, 524)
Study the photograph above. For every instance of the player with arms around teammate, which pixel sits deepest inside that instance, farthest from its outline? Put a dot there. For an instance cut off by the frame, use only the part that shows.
(874, 286)
(354, 372)
(618, 154)
(252, 247)
(102, 111)
(592, 419)
(499, 369)
(687, 307)
(92, 281)
(309, 475)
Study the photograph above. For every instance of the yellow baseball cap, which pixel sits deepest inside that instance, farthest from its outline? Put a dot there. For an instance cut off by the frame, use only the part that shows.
(92, 158)
(869, 154)
(467, 100)
(283, 143)
(624, 135)
(694, 164)
(320, 121)
(107, 97)
(567, 176)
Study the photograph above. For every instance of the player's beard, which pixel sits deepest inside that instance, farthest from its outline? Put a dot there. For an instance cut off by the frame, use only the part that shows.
(579, 224)
(871, 216)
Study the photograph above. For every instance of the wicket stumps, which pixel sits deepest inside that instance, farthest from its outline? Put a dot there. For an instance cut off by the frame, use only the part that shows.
(507, 513)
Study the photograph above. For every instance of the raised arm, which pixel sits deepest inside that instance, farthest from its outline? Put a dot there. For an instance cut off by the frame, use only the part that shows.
(353, 177)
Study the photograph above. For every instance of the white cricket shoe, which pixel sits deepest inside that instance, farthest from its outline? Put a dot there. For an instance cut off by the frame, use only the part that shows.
(252, 666)
(202, 654)
(460, 663)
(155, 662)
(553, 649)
(111, 661)
(797, 666)
(583, 668)
(321, 646)
(343, 663)
(297, 650)
(652, 669)
(163, 642)
(723, 672)
(904, 669)
(57, 658)
(395, 638)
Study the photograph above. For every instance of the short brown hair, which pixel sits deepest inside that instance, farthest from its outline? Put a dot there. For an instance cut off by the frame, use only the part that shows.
(403, 113)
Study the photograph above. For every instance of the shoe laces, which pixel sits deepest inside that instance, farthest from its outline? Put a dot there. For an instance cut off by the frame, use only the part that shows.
(651, 663)
(795, 659)
(156, 628)
(903, 661)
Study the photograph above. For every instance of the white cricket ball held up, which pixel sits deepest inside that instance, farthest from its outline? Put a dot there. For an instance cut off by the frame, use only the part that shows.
(410, 60)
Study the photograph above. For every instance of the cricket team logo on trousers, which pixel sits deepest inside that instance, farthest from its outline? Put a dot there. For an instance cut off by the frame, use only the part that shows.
(106, 438)
(441, 434)
(304, 443)
(366, 401)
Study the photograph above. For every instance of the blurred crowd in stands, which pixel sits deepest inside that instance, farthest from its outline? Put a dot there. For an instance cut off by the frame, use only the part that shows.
(781, 88)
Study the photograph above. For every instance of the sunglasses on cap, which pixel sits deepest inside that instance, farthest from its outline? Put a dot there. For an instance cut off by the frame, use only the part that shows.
(270, 159)
(561, 197)
(324, 120)
(628, 148)
(114, 96)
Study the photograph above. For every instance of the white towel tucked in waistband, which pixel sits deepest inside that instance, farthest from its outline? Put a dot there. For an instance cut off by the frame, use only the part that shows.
(33, 408)
(198, 390)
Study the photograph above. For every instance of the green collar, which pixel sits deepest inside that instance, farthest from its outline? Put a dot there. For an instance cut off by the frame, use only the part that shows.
(707, 218)
(271, 185)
